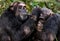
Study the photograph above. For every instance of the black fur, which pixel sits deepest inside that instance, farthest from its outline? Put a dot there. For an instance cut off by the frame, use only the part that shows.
(10, 24)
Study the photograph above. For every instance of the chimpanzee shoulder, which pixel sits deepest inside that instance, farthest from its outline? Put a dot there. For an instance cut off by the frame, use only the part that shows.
(9, 23)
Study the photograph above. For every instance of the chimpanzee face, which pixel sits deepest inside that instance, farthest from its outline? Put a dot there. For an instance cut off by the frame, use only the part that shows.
(46, 13)
(20, 9)
(39, 26)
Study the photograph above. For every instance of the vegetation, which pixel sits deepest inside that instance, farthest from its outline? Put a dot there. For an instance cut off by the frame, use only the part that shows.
(52, 4)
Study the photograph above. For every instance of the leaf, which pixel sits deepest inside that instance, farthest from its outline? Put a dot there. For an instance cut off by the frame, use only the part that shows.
(0, 0)
(11, 0)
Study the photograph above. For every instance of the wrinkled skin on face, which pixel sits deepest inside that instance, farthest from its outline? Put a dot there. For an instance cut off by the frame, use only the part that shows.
(20, 10)
(39, 26)
(46, 13)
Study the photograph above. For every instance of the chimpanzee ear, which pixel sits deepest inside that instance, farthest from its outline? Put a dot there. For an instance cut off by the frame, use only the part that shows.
(13, 5)
(12, 8)
(51, 13)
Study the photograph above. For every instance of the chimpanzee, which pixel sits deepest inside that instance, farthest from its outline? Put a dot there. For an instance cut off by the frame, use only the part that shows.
(46, 13)
(18, 10)
(11, 20)
(38, 30)
(27, 29)
(51, 26)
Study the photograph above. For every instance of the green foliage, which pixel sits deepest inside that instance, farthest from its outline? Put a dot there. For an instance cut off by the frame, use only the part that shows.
(51, 4)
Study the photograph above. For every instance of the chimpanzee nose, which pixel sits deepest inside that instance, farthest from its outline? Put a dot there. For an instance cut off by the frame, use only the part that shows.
(22, 11)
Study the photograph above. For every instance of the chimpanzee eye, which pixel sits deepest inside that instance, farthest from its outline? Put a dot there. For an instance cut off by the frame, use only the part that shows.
(24, 7)
(20, 7)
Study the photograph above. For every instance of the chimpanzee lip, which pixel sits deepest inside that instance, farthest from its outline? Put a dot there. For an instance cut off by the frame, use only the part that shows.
(41, 18)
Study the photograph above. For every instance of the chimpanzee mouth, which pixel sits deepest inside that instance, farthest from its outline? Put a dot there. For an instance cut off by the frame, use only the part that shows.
(23, 17)
(41, 19)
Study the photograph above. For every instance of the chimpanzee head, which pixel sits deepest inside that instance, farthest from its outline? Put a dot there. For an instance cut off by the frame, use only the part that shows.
(19, 9)
(46, 13)
(39, 25)
(36, 13)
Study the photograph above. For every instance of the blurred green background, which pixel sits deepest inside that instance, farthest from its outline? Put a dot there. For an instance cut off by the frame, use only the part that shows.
(51, 4)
